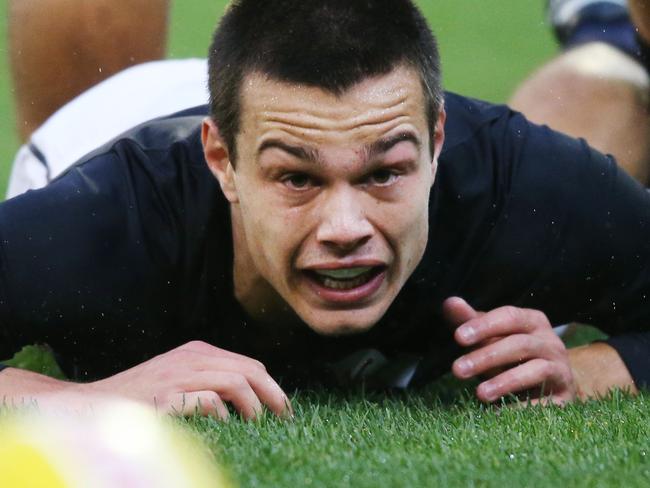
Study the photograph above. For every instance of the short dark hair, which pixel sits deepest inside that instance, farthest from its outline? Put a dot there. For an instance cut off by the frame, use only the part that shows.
(330, 44)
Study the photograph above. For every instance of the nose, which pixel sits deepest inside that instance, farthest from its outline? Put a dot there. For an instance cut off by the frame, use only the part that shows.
(343, 224)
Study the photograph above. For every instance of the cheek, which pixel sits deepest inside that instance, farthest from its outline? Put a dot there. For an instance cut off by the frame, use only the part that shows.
(420, 221)
(416, 226)
(406, 223)
(273, 231)
(410, 208)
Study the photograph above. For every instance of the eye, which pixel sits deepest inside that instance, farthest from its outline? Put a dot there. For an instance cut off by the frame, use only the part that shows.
(297, 181)
(383, 177)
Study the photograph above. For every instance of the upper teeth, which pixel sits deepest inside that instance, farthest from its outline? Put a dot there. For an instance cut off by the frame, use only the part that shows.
(343, 273)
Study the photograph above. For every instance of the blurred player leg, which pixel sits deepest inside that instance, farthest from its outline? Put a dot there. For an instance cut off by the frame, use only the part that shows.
(59, 48)
(640, 13)
(598, 88)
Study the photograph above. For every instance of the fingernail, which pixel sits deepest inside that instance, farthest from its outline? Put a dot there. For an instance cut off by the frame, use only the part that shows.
(465, 366)
(488, 391)
(467, 333)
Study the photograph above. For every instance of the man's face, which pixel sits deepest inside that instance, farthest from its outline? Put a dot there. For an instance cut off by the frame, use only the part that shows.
(329, 196)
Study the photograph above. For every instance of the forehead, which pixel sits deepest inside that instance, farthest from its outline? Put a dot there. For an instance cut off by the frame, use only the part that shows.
(377, 104)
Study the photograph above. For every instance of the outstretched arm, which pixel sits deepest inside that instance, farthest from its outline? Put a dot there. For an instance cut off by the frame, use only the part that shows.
(193, 378)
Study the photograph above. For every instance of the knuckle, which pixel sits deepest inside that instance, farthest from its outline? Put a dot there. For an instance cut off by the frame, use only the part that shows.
(254, 366)
(547, 368)
(182, 355)
(249, 372)
(209, 395)
(539, 317)
(524, 345)
(512, 313)
(260, 365)
(237, 382)
(538, 320)
(555, 346)
(181, 347)
(559, 347)
(163, 400)
(255, 370)
(198, 345)
(536, 346)
(210, 398)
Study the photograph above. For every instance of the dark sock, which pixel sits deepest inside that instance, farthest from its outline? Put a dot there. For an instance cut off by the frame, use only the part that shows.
(606, 23)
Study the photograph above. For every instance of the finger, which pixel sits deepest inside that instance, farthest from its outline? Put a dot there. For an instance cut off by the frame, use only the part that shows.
(231, 387)
(197, 402)
(457, 311)
(513, 349)
(541, 373)
(502, 321)
(270, 393)
(234, 388)
(560, 401)
(263, 385)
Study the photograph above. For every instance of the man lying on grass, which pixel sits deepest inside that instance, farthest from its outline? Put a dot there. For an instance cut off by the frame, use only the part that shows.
(328, 236)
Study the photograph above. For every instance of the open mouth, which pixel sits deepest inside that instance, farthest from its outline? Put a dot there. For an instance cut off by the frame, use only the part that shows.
(343, 279)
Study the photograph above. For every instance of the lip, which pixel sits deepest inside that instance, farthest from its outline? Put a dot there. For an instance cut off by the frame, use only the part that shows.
(360, 263)
(346, 297)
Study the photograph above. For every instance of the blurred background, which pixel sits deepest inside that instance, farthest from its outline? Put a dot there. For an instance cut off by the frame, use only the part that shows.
(487, 48)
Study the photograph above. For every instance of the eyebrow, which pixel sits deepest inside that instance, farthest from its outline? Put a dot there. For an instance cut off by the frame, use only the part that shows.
(384, 145)
(370, 151)
(300, 152)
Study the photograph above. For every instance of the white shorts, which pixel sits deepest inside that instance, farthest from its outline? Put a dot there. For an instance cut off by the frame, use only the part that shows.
(115, 105)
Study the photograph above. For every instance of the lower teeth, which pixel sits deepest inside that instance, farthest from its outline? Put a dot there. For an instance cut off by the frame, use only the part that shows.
(345, 284)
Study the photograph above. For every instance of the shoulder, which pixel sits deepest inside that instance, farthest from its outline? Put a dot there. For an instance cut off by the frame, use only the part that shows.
(497, 165)
(119, 103)
(152, 179)
(492, 149)
(519, 197)
(468, 116)
(165, 152)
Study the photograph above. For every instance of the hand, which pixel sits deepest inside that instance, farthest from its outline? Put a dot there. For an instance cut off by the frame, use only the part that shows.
(197, 377)
(515, 348)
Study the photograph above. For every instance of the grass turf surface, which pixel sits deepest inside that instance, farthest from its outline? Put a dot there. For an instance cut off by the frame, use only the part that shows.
(440, 436)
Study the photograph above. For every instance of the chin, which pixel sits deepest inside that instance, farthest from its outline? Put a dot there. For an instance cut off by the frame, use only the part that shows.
(328, 323)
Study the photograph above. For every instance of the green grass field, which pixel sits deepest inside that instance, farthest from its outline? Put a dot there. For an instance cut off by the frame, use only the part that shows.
(439, 437)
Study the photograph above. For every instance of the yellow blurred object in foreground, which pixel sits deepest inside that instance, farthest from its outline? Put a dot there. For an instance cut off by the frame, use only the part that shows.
(121, 445)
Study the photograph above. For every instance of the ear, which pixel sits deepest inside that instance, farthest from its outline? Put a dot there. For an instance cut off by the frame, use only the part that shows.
(218, 159)
(438, 139)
